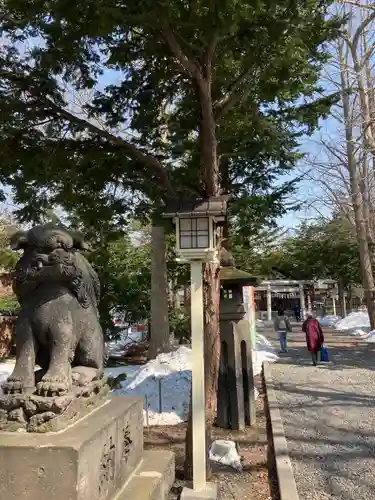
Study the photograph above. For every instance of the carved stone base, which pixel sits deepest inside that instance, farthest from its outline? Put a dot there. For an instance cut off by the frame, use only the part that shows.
(90, 460)
(32, 413)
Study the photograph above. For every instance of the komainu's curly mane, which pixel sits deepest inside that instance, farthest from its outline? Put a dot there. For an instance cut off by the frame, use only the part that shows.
(51, 255)
(86, 285)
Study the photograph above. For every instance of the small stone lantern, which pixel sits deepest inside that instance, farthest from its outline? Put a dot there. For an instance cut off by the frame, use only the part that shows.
(236, 398)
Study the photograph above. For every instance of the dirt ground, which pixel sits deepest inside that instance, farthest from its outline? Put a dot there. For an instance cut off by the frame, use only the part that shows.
(256, 482)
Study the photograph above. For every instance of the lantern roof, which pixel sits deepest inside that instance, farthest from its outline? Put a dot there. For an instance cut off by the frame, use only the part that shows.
(230, 275)
(233, 276)
(202, 207)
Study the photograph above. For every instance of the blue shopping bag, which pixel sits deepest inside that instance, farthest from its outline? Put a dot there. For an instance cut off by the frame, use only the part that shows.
(324, 354)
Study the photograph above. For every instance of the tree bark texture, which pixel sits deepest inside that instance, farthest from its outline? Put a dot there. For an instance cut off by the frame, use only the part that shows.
(207, 140)
(357, 198)
(211, 338)
(159, 341)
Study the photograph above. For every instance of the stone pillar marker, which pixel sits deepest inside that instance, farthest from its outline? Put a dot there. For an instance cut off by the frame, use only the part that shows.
(269, 303)
(61, 436)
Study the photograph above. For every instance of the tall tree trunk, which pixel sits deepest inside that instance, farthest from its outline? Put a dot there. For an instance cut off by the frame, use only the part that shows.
(207, 140)
(159, 340)
(209, 167)
(371, 102)
(366, 205)
(357, 199)
(210, 177)
(212, 338)
(350, 298)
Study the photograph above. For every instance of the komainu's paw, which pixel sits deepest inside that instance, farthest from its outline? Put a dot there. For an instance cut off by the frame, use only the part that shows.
(18, 385)
(51, 385)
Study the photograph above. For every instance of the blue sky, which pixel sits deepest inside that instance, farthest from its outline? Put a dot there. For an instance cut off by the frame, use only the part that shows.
(308, 190)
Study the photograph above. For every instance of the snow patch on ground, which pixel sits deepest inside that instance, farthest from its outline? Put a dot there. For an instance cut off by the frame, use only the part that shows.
(329, 320)
(165, 381)
(5, 370)
(370, 337)
(225, 453)
(353, 321)
(358, 332)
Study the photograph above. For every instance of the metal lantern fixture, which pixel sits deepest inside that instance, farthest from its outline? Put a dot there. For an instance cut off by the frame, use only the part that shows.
(196, 223)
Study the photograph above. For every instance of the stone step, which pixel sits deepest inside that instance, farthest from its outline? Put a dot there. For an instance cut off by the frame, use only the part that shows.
(153, 479)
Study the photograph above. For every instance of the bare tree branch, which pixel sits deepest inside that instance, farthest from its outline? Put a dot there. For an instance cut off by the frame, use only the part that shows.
(59, 112)
(358, 4)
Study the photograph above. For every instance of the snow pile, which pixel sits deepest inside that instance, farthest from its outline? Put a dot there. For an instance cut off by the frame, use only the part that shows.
(329, 320)
(225, 453)
(5, 370)
(358, 332)
(370, 336)
(264, 352)
(165, 382)
(354, 320)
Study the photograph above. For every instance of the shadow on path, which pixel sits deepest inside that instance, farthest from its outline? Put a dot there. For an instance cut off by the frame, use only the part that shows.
(328, 414)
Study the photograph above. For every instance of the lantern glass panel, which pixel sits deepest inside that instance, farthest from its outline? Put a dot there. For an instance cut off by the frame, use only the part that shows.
(202, 241)
(202, 224)
(185, 224)
(194, 233)
(185, 241)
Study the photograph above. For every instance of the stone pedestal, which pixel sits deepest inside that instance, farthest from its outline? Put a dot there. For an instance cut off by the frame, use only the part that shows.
(92, 459)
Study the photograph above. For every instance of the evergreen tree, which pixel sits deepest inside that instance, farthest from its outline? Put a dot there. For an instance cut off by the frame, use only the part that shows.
(207, 97)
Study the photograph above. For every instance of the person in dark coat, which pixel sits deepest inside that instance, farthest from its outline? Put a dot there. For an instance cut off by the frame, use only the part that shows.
(314, 337)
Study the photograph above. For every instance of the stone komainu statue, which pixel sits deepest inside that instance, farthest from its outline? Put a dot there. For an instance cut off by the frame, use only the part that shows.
(58, 325)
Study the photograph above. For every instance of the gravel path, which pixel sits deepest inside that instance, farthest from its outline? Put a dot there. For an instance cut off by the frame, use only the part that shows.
(328, 414)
